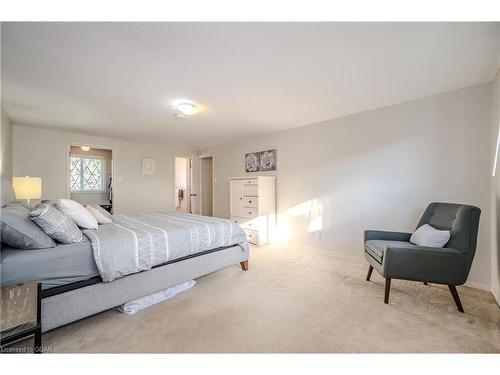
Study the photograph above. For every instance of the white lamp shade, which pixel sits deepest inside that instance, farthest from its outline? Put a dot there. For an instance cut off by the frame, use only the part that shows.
(27, 187)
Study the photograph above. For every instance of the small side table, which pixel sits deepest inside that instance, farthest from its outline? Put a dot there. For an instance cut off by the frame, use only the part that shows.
(20, 307)
(107, 207)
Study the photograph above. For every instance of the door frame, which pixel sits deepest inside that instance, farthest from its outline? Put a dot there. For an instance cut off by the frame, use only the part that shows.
(189, 179)
(201, 181)
(69, 144)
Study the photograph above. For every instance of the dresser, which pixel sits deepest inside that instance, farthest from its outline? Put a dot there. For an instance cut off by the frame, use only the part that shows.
(252, 204)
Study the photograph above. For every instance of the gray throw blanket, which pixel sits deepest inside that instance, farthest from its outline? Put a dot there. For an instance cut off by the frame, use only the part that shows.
(134, 243)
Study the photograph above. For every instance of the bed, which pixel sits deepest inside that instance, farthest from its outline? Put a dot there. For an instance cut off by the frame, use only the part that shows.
(135, 256)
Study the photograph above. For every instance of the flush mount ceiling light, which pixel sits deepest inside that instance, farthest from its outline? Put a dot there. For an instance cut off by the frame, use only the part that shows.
(185, 108)
(85, 148)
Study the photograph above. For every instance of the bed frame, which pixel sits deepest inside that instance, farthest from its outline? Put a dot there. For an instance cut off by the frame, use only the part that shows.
(68, 303)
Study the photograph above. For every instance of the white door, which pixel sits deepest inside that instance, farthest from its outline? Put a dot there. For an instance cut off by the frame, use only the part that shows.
(236, 203)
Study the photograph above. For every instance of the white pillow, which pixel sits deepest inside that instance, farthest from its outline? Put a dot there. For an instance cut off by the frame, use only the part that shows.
(426, 235)
(101, 219)
(80, 215)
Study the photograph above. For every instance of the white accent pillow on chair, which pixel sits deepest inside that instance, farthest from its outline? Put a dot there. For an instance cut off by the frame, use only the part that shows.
(429, 236)
(79, 214)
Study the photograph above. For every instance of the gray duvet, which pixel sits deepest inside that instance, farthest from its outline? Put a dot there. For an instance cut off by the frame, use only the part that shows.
(134, 243)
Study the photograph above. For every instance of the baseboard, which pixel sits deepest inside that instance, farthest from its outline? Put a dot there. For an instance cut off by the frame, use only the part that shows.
(496, 297)
(478, 286)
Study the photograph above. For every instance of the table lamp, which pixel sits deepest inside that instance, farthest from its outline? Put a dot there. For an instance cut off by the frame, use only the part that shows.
(27, 187)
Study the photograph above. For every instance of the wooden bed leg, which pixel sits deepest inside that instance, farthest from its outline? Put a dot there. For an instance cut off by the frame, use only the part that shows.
(244, 265)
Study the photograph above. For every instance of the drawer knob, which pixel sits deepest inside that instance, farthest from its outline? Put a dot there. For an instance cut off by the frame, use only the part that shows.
(249, 201)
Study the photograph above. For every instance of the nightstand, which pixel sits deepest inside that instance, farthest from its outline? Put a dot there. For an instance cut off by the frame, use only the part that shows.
(107, 207)
(20, 307)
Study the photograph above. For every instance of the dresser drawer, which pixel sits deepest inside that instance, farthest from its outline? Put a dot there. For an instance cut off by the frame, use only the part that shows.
(250, 190)
(252, 202)
(237, 220)
(256, 223)
(249, 212)
(252, 236)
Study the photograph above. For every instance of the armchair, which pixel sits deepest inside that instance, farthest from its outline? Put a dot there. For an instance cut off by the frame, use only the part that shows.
(395, 257)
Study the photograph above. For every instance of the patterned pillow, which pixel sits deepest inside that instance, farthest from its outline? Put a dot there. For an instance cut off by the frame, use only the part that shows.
(56, 224)
(18, 231)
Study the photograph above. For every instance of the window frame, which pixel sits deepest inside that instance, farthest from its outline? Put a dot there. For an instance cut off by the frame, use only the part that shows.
(103, 177)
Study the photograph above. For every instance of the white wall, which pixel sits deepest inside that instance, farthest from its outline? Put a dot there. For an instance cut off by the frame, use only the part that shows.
(495, 190)
(5, 154)
(42, 152)
(377, 169)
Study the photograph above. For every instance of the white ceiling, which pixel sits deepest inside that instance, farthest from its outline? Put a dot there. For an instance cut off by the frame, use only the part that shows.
(117, 79)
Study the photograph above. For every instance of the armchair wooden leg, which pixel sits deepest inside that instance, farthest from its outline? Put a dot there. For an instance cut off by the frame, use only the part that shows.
(456, 297)
(244, 265)
(370, 270)
(387, 290)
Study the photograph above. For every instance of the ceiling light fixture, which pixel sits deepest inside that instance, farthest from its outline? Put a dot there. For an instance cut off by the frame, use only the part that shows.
(186, 109)
(85, 148)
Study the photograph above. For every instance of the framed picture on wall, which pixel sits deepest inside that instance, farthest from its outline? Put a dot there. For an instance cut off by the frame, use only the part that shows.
(252, 162)
(268, 160)
(148, 166)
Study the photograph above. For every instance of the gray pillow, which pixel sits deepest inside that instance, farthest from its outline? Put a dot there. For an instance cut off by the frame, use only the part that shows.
(50, 202)
(56, 224)
(104, 213)
(17, 229)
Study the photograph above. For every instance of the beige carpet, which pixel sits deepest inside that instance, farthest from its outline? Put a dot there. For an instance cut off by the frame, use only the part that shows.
(294, 299)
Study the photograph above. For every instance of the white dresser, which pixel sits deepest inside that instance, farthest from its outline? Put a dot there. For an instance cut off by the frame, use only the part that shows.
(252, 204)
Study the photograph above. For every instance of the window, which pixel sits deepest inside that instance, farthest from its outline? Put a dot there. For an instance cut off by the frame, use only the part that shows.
(87, 174)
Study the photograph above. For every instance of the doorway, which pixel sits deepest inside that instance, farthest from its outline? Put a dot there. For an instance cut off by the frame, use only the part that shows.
(90, 175)
(207, 186)
(182, 201)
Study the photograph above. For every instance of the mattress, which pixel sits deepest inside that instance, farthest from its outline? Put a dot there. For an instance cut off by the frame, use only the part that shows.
(60, 265)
